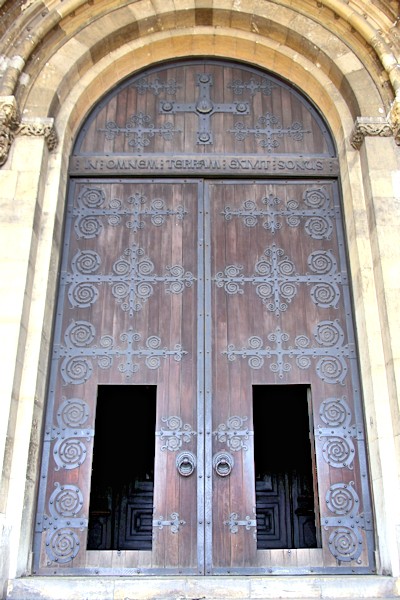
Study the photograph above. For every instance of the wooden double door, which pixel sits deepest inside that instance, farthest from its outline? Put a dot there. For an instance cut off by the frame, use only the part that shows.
(204, 348)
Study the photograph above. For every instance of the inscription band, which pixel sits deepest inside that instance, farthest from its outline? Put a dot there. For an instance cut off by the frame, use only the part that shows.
(201, 164)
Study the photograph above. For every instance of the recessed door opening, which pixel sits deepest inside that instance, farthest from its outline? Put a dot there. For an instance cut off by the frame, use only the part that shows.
(285, 485)
(121, 498)
(200, 278)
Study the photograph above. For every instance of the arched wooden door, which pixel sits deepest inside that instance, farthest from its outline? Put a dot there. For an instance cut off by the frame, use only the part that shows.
(204, 411)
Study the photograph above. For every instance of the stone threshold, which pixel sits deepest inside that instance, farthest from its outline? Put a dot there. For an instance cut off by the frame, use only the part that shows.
(305, 587)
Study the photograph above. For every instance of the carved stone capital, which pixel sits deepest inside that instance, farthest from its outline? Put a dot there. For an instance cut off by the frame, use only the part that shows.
(372, 126)
(12, 125)
(9, 119)
(394, 119)
(38, 127)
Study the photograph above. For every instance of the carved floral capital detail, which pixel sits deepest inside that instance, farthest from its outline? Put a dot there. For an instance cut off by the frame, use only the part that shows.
(12, 125)
(9, 119)
(369, 126)
(40, 127)
(394, 119)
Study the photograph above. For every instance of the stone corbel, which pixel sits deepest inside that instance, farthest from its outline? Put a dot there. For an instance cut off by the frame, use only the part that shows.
(9, 122)
(371, 126)
(12, 125)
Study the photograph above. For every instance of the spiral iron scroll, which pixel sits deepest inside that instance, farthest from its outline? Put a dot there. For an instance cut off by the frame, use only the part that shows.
(345, 528)
(337, 436)
(63, 523)
(70, 435)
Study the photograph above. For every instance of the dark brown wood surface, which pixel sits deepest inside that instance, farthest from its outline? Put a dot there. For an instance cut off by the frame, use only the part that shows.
(151, 317)
(248, 113)
(245, 316)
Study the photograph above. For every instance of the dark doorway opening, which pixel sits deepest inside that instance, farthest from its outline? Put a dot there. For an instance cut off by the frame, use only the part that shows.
(284, 466)
(121, 497)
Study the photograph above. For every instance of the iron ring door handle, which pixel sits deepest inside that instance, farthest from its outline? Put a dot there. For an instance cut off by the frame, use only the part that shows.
(186, 463)
(223, 463)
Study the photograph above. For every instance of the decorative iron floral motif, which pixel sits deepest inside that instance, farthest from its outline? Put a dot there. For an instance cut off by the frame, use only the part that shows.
(156, 86)
(268, 131)
(331, 354)
(233, 433)
(345, 540)
(140, 129)
(317, 213)
(92, 208)
(79, 353)
(131, 282)
(174, 522)
(175, 434)
(62, 523)
(276, 279)
(338, 448)
(253, 85)
(234, 522)
(69, 450)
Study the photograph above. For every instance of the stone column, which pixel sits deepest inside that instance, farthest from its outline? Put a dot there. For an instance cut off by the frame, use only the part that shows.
(21, 228)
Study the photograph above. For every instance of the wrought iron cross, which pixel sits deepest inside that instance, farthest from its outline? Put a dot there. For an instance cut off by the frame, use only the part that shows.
(204, 107)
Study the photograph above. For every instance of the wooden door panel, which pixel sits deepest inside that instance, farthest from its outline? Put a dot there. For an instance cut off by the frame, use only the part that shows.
(135, 518)
(273, 512)
(128, 292)
(282, 310)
